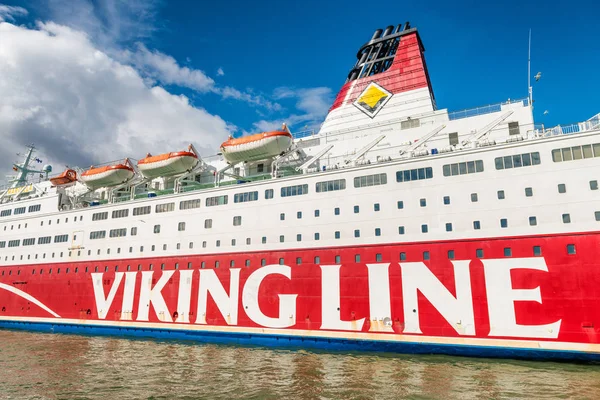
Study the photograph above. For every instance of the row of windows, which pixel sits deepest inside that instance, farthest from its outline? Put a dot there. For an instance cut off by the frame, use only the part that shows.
(166, 207)
(118, 232)
(120, 213)
(370, 180)
(469, 167)
(518, 160)
(245, 197)
(189, 204)
(20, 210)
(216, 200)
(295, 190)
(414, 174)
(330, 186)
(570, 249)
(576, 152)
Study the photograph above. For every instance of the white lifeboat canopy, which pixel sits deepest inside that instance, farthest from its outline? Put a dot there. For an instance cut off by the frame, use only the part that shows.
(167, 164)
(107, 176)
(256, 147)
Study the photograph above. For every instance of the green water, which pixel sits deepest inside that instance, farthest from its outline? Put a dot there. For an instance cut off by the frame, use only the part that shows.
(48, 366)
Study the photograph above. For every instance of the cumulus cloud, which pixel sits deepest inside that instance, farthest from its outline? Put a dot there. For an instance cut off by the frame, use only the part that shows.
(220, 72)
(8, 13)
(80, 106)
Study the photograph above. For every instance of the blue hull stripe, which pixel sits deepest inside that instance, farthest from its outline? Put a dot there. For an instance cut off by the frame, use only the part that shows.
(323, 343)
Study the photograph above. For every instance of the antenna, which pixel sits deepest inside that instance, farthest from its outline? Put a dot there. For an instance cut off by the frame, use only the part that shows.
(529, 88)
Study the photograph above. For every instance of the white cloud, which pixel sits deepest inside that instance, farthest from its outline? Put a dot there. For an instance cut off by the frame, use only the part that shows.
(8, 13)
(164, 68)
(80, 106)
(314, 104)
(220, 72)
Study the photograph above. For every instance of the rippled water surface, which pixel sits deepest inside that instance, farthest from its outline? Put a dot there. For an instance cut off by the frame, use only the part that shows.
(62, 366)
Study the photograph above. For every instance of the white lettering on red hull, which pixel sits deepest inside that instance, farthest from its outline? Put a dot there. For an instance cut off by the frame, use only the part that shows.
(457, 309)
(501, 298)
(227, 304)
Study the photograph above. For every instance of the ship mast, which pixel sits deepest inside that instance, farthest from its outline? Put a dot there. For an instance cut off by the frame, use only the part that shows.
(23, 170)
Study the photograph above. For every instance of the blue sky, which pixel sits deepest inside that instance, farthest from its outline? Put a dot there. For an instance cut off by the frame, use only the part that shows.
(285, 61)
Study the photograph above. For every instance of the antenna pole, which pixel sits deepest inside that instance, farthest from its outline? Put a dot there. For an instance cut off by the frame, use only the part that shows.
(529, 88)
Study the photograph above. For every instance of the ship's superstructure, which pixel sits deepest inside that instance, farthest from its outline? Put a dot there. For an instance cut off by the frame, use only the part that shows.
(398, 226)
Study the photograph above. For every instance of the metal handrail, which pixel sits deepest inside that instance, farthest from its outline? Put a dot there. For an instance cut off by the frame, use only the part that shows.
(491, 108)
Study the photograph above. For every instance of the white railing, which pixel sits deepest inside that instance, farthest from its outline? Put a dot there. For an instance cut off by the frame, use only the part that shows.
(585, 126)
(471, 112)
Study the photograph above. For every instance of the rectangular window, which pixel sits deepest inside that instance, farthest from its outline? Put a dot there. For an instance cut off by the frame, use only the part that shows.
(425, 255)
(463, 168)
(296, 190)
(424, 228)
(245, 197)
(237, 220)
(337, 234)
(120, 213)
(448, 227)
(269, 194)
(501, 195)
(474, 197)
(299, 215)
(208, 223)
(100, 216)
(410, 123)
(571, 249)
(97, 235)
(507, 252)
(446, 200)
(134, 231)
(34, 208)
(566, 218)
(513, 128)
(377, 231)
(594, 185)
(401, 230)
(156, 228)
(317, 213)
(423, 202)
(370, 180)
(5, 213)
(45, 240)
(519, 160)
(14, 243)
(216, 200)
(181, 226)
(20, 210)
(28, 242)
(476, 225)
(61, 238)
(414, 174)
(453, 138)
(166, 207)
(117, 233)
(356, 209)
(562, 188)
(141, 210)
(479, 253)
(528, 192)
(330, 186)
(357, 233)
(532, 221)
(400, 204)
(189, 204)
(537, 251)
(503, 223)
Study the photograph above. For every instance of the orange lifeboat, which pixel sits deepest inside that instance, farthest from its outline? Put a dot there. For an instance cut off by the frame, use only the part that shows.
(107, 176)
(68, 177)
(256, 147)
(167, 164)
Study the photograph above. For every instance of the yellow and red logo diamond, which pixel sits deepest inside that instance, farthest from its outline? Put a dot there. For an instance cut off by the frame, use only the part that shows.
(372, 99)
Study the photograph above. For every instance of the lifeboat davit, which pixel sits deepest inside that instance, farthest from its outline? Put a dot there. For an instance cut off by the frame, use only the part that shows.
(68, 177)
(256, 147)
(167, 164)
(107, 176)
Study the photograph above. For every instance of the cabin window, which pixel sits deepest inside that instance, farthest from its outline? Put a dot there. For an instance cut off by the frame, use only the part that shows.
(528, 192)
(299, 215)
(474, 197)
(562, 188)
(513, 128)
(356, 209)
(336, 211)
(237, 220)
(189, 204)
(424, 228)
(571, 249)
(317, 213)
(142, 210)
(414, 174)
(377, 231)
(566, 218)
(296, 190)
(453, 138)
(537, 251)
(248, 241)
(269, 194)
(330, 186)
(400, 204)
(357, 233)
(501, 195)
(281, 261)
(401, 230)
(264, 239)
(120, 213)
(34, 208)
(446, 200)
(133, 231)
(357, 258)
(402, 256)
(282, 217)
(504, 223)
(245, 197)
(117, 233)
(318, 235)
(298, 237)
(451, 254)
(337, 234)
(479, 253)
(281, 238)
(167, 207)
(532, 221)
(216, 201)
(476, 225)
(376, 207)
(370, 180)
(156, 228)
(61, 238)
(100, 216)
(425, 255)
(423, 202)
(507, 252)
(593, 185)
(448, 227)
(208, 223)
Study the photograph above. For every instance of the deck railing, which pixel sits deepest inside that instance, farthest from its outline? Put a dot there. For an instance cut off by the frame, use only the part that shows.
(472, 112)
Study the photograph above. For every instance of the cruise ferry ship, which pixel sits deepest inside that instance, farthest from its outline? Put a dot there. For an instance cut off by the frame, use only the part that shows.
(398, 226)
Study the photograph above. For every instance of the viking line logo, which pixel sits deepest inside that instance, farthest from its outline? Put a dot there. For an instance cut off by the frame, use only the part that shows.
(372, 99)
(242, 296)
